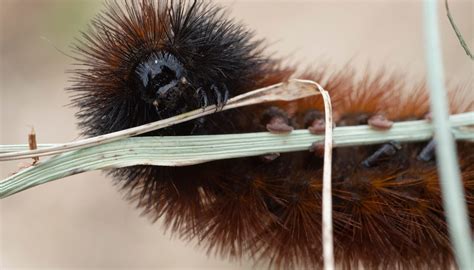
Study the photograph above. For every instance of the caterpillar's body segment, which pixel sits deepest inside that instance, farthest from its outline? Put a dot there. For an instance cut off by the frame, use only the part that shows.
(149, 59)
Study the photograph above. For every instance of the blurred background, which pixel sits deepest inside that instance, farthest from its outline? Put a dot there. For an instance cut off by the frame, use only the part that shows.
(82, 222)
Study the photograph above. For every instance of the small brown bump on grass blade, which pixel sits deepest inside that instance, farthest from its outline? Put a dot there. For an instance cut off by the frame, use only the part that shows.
(32, 144)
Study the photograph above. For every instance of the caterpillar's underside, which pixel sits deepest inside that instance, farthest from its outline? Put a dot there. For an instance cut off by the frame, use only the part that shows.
(387, 208)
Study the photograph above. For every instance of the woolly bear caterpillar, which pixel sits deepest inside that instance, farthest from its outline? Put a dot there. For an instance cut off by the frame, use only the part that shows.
(149, 60)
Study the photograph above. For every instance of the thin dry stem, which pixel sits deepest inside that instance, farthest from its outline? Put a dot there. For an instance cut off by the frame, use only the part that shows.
(327, 231)
(291, 90)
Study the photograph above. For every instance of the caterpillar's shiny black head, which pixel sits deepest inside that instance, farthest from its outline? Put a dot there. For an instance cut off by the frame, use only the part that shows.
(145, 60)
(161, 82)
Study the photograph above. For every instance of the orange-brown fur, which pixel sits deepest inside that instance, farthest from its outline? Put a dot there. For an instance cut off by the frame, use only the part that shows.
(385, 216)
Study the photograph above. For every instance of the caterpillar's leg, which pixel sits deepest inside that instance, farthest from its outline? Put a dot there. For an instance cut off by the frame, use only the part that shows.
(270, 157)
(379, 121)
(276, 121)
(428, 152)
(314, 122)
(317, 148)
(386, 150)
(226, 95)
(217, 97)
(202, 96)
(221, 96)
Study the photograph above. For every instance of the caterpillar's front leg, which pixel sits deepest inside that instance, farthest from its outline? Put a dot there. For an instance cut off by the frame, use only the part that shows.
(201, 95)
(221, 96)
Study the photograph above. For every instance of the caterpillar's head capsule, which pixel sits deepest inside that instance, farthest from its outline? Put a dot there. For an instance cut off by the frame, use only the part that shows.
(160, 81)
(147, 60)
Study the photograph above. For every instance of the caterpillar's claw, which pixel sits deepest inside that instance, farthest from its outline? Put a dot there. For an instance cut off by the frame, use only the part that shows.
(203, 100)
(220, 99)
(226, 96)
(217, 96)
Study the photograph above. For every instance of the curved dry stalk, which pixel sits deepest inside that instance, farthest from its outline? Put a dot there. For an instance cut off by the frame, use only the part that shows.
(287, 91)
(458, 33)
(327, 231)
